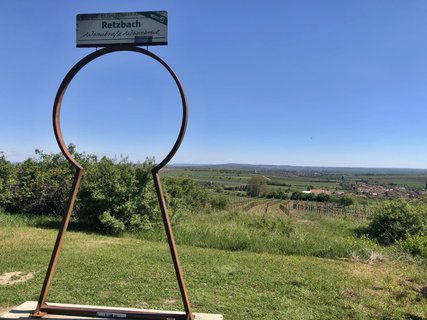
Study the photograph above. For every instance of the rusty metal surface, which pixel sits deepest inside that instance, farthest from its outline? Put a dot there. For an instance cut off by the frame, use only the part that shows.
(42, 308)
(24, 310)
(112, 313)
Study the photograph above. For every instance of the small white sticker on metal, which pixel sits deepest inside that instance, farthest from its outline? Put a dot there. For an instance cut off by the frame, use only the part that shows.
(110, 315)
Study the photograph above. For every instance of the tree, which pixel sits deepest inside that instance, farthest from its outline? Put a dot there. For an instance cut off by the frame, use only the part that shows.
(7, 177)
(257, 185)
(298, 195)
(347, 200)
(323, 197)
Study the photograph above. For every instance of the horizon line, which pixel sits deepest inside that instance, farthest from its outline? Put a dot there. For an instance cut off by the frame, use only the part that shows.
(292, 165)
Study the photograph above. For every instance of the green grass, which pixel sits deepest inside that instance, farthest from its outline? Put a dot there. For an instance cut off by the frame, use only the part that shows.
(247, 283)
(303, 234)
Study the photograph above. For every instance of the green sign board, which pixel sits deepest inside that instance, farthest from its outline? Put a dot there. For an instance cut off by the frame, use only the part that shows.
(133, 28)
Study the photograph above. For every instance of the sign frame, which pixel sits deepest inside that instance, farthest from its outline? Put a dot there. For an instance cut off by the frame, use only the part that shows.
(43, 308)
(147, 28)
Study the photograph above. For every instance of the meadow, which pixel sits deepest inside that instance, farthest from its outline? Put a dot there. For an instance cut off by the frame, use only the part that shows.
(245, 265)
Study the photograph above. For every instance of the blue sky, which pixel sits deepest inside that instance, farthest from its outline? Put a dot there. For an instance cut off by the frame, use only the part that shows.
(324, 83)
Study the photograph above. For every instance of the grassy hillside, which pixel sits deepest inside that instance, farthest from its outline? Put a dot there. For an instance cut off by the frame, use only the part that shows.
(241, 284)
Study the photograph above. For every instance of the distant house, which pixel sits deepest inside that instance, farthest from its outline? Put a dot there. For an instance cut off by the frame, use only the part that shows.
(207, 183)
(317, 191)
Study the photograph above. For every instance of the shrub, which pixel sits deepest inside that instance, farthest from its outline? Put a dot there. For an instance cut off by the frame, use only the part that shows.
(42, 185)
(323, 197)
(298, 195)
(282, 195)
(117, 196)
(110, 223)
(276, 194)
(347, 200)
(414, 244)
(7, 177)
(397, 220)
(114, 196)
(219, 202)
(184, 193)
(310, 197)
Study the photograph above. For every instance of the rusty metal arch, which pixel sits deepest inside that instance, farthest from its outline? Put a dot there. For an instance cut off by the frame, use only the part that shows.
(42, 308)
(82, 63)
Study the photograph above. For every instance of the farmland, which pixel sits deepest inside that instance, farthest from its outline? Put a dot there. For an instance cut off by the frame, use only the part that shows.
(403, 182)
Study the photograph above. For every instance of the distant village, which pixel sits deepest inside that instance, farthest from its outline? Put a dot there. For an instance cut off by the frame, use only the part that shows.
(388, 192)
(375, 191)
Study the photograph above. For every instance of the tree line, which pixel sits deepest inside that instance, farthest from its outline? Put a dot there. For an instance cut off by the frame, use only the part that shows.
(344, 200)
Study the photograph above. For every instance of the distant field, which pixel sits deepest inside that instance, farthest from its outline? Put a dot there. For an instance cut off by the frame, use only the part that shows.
(218, 176)
(409, 180)
(232, 178)
(298, 181)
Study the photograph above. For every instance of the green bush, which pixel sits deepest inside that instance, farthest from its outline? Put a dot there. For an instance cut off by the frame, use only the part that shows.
(347, 200)
(276, 194)
(323, 197)
(117, 196)
(397, 220)
(111, 224)
(184, 192)
(7, 179)
(42, 185)
(219, 202)
(415, 245)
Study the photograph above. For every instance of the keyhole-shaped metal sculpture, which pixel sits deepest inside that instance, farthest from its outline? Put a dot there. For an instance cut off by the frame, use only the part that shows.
(42, 307)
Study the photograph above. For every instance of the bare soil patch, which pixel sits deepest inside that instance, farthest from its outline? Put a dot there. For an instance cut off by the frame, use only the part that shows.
(10, 278)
